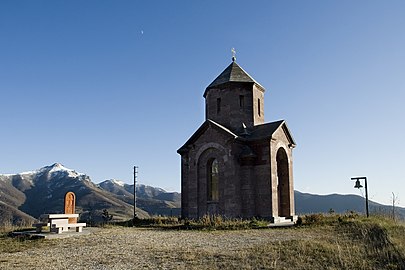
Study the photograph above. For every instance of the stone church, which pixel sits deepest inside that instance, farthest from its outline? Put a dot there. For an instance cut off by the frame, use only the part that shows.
(235, 164)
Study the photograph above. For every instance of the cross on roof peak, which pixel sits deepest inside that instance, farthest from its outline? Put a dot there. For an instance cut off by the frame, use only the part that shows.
(233, 54)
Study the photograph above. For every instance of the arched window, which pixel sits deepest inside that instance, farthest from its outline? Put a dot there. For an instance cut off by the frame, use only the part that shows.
(213, 175)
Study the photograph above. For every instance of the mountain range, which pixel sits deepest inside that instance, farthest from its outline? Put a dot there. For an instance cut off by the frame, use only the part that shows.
(312, 203)
(25, 196)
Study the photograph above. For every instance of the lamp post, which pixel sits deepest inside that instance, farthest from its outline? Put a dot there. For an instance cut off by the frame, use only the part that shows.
(358, 185)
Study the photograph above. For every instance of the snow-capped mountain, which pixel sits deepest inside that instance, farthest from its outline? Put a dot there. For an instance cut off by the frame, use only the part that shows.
(117, 187)
(120, 187)
(25, 196)
(42, 191)
(55, 170)
(58, 170)
(155, 201)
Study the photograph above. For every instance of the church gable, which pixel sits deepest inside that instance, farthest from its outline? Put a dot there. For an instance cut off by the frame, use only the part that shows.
(270, 130)
(203, 134)
(283, 133)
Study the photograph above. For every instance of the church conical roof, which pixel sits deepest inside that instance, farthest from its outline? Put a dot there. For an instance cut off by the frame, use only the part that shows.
(233, 73)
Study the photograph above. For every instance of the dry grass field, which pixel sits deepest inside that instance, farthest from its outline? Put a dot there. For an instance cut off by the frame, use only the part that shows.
(321, 243)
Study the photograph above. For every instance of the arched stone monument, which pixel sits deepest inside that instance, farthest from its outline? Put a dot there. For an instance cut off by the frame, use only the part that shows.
(70, 205)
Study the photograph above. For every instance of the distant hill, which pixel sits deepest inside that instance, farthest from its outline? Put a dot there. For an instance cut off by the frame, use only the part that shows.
(12, 216)
(311, 203)
(153, 200)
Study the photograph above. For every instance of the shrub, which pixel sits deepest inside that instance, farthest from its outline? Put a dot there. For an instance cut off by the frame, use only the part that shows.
(313, 219)
(299, 221)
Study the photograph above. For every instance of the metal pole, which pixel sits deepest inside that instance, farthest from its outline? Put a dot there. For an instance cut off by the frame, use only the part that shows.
(360, 186)
(365, 181)
(135, 175)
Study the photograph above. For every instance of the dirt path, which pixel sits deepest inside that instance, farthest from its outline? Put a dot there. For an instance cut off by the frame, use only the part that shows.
(134, 248)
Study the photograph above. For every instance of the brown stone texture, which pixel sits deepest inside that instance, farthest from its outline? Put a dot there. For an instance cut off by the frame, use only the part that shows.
(232, 114)
(70, 205)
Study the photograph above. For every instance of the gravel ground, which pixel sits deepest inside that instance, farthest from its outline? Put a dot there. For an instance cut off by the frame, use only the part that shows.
(135, 248)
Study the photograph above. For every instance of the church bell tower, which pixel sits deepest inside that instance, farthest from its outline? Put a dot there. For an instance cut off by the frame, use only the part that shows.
(234, 99)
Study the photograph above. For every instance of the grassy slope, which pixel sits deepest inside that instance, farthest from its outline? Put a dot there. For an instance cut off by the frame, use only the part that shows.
(327, 242)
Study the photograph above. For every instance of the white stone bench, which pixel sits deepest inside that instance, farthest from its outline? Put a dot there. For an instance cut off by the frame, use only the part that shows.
(59, 223)
(78, 226)
(62, 225)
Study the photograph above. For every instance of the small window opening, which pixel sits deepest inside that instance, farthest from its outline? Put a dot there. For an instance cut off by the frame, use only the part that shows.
(213, 190)
(241, 101)
(258, 106)
(218, 105)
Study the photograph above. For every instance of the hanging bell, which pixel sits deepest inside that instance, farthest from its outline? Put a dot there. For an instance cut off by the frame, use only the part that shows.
(358, 185)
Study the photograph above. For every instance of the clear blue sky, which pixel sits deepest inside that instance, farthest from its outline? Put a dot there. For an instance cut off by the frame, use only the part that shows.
(100, 86)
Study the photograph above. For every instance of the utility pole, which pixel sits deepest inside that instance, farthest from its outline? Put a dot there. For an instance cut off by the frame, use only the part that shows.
(135, 176)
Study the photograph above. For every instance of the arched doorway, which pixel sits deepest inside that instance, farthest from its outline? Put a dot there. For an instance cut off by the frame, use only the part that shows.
(283, 187)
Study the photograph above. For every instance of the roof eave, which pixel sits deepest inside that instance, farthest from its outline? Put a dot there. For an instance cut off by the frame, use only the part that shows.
(224, 85)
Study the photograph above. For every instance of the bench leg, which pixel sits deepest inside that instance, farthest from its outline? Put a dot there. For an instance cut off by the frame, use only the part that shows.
(79, 229)
(57, 230)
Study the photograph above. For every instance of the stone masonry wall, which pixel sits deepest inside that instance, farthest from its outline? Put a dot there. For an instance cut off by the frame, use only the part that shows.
(280, 140)
(233, 112)
(194, 178)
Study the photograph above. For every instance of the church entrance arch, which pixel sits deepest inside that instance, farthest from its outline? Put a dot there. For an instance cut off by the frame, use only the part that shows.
(283, 187)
